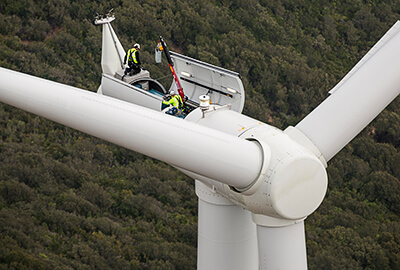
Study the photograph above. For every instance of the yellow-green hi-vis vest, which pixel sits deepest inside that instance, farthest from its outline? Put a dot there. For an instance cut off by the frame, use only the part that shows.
(176, 101)
(132, 55)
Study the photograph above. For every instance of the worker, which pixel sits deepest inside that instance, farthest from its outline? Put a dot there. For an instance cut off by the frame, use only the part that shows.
(174, 101)
(132, 55)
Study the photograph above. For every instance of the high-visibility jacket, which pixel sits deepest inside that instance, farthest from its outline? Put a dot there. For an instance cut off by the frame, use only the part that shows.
(175, 101)
(131, 55)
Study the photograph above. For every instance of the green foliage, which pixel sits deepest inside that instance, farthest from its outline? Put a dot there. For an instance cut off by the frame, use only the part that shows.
(68, 200)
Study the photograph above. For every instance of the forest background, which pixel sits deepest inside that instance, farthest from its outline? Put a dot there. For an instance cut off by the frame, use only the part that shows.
(71, 201)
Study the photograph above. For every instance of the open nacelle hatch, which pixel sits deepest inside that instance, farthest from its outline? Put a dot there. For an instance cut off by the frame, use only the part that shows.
(224, 87)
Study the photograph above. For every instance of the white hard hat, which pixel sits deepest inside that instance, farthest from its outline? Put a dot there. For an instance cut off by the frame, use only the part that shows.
(136, 46)
(172, 92)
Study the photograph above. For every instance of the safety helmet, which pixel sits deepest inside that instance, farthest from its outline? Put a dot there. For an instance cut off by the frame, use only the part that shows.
(172, 92)
(136, 46)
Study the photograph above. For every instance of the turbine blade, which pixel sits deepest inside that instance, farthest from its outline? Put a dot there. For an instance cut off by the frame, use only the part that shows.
(205, 151)
(369, 87)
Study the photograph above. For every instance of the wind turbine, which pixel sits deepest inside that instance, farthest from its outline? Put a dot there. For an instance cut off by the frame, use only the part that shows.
(256, 184)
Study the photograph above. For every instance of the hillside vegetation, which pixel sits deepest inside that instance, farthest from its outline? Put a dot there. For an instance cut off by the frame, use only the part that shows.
(71, 201)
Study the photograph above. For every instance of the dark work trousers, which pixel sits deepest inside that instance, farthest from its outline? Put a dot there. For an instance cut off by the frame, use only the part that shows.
(132, 68)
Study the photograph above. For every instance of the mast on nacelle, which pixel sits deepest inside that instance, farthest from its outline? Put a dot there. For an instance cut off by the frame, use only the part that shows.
(112, 55)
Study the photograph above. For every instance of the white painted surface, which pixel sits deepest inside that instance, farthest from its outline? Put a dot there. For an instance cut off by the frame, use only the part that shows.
(359, 99)
(227, 238)
(282, 248)
(183, 144)
(113, 53)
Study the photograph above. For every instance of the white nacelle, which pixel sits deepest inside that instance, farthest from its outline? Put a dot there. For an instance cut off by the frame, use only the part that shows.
(292, 182)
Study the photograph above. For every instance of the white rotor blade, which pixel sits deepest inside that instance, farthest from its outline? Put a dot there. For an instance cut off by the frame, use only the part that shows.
(183, 144)
(227, 237)
(282, 248)
(358, 98)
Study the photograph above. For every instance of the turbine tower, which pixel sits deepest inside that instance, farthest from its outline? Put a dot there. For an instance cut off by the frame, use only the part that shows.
(256, 184)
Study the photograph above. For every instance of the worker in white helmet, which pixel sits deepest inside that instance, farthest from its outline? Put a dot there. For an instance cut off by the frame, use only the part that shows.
(173, 101)
(132, 55)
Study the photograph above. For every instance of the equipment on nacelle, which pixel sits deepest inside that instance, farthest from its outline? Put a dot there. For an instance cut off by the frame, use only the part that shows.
(222, 86)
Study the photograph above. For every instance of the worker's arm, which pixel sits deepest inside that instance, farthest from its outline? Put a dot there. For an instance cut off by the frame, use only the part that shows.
(172, 101)
(166, 100)
(138, 58)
